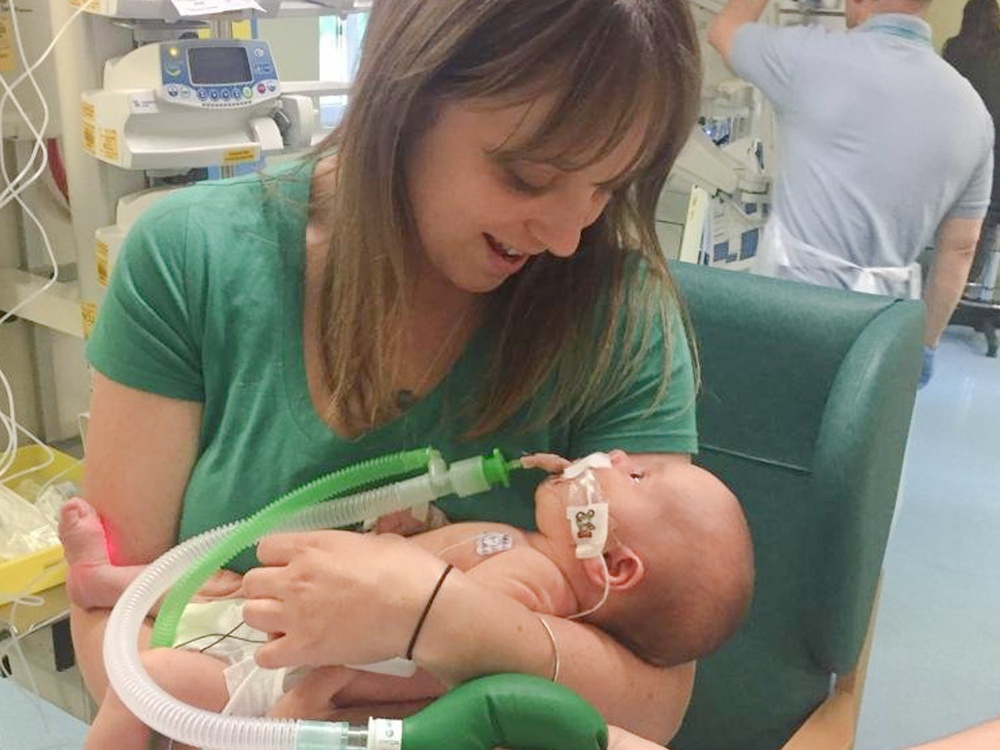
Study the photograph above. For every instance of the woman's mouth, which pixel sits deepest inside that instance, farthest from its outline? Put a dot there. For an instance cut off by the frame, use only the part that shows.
(506, 252)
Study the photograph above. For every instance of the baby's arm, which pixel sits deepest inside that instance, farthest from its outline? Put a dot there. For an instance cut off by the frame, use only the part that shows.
(528, 576)
(516, 569)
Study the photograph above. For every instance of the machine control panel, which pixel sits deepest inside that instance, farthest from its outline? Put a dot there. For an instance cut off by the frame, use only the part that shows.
(217, 73)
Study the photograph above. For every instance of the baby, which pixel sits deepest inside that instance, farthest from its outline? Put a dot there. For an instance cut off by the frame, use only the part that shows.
(669, 583)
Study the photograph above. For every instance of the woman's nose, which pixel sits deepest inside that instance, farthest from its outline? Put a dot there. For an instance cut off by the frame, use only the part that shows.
(559, 222)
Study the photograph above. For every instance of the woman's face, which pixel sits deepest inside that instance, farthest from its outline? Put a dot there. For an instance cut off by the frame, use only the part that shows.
(481, 217)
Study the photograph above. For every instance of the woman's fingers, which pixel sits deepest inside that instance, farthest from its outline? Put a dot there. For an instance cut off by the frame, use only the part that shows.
(279, 549)
(280, 652)
(267, 615)
(335, 597)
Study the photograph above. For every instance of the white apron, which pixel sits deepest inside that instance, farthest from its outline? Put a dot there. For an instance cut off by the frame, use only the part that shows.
(784, 257)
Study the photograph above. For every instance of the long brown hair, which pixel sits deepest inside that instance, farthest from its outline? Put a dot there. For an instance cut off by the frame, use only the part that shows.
(605, 64)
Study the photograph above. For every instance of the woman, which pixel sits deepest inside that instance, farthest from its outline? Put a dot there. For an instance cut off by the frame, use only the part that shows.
(469, 262)
(975, 53)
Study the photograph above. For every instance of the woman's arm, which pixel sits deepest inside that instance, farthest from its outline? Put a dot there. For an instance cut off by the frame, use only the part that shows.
(470, 632)
(336, 597)
(984, 737)
(139, 451)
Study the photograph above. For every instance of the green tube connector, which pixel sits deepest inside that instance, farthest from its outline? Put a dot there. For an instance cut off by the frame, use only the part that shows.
(497, 469)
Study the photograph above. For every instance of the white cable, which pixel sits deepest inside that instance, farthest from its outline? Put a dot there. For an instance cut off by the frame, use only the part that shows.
(47, 461)
(29, 600)
(13, 190)
(7, 457)
(38, 149)
(16, 186)
(29, 70)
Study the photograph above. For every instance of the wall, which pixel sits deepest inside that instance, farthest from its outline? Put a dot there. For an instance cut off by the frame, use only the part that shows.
(945, 17)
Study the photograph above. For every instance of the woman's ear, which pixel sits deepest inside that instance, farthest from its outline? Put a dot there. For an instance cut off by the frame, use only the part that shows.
(625, 568)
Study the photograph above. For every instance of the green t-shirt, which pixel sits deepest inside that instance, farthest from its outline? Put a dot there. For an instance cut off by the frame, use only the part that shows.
(205, 304)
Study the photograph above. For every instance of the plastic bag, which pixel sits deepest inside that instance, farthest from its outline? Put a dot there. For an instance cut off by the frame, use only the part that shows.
(24, 529)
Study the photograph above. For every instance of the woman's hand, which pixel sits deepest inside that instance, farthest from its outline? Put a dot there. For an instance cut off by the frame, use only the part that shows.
(337, 597)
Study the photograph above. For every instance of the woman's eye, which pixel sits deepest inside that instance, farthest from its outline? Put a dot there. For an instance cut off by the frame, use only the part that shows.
(522, 185)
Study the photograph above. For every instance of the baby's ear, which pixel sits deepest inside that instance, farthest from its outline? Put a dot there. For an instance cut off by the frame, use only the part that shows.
(625, 568)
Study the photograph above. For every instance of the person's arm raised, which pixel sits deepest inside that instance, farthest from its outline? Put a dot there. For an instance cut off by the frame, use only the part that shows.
(730, 20)
(139, 452)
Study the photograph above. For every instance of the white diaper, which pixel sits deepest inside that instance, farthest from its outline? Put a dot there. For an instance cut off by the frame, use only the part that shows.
(252, 689)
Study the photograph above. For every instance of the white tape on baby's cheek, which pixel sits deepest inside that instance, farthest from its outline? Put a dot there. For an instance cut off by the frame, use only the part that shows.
(593, 461)
(589, 527)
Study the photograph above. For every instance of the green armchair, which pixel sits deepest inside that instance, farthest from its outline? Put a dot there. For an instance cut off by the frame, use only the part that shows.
(804, 411)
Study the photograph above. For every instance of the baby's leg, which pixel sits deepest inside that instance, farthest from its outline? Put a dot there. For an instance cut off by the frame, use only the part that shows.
(190, 676)
(92, 581)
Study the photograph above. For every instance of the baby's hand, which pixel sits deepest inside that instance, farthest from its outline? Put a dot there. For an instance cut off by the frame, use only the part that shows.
(549, 462)
(410, 522)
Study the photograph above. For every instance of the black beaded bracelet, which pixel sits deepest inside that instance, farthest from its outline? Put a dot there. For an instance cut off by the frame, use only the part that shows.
(427, 608)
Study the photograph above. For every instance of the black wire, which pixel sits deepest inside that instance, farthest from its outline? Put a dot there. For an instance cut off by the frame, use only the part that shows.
(220, 637)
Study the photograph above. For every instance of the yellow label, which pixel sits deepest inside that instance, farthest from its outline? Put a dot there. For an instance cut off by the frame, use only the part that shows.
(90, 138)
(240, 155)
(242, 30)
(87, 111)
(88, 312)
(8, 60)
(101, 255)
(108, 144)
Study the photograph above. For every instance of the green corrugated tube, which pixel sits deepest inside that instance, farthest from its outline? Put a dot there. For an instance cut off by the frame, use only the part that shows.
(248, 531)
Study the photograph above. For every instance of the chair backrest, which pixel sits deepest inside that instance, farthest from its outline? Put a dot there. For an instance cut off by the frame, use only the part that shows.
(804, 411)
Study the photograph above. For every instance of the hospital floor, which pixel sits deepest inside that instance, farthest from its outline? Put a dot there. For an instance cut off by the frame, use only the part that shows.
(935, 659)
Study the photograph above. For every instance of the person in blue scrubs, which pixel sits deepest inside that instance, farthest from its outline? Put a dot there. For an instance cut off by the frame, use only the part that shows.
(884, 151)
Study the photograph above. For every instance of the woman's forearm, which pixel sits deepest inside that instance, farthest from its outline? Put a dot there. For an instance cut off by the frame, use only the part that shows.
(471, 631)
(87, 628)
(336, 597)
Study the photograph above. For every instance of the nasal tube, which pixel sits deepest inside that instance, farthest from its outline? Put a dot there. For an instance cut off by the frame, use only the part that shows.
(200, 556)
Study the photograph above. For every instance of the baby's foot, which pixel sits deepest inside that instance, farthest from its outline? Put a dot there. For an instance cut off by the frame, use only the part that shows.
(92, 581)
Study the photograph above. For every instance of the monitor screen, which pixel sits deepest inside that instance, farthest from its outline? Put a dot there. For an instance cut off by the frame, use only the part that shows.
(219, 65)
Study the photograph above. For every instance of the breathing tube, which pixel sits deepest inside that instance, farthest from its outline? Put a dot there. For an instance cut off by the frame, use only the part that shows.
(195, 559)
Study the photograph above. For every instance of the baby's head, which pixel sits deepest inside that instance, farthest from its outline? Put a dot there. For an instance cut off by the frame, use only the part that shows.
(679, 560)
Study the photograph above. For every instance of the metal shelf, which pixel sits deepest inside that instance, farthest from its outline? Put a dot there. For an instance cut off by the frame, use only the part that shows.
(57, 308)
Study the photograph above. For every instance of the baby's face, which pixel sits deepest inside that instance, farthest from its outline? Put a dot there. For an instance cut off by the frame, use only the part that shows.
(623, 485)
(638, 495)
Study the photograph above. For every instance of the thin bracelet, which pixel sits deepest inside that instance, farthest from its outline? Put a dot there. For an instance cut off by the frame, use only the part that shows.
(555, 648)
(427, 608)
